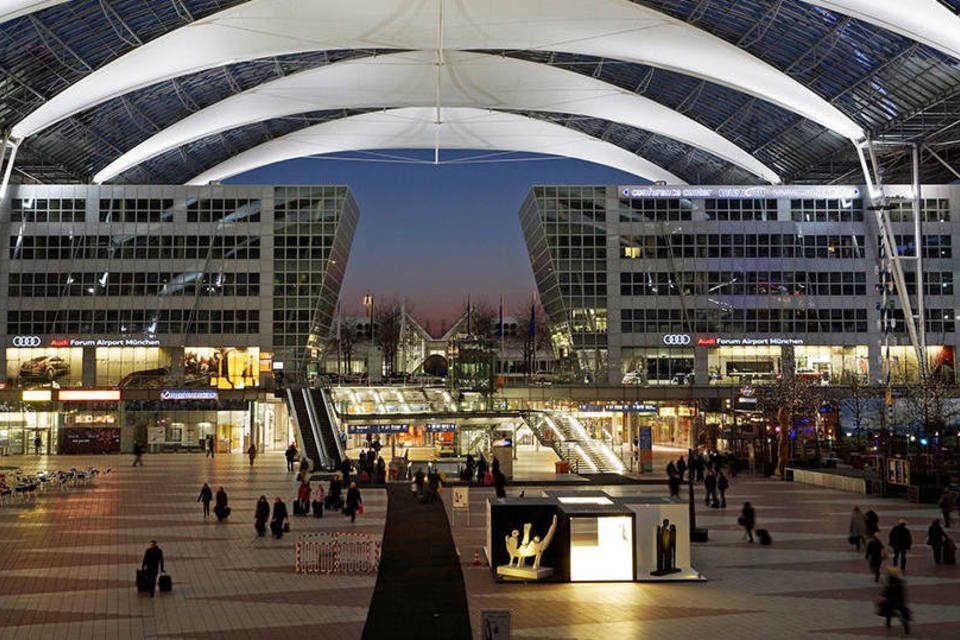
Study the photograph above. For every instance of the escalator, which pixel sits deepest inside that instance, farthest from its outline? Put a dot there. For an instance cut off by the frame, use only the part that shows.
(327, 432)
(298, 401)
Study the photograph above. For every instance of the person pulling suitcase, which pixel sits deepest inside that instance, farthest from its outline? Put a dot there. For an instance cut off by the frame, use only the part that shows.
(151, 566)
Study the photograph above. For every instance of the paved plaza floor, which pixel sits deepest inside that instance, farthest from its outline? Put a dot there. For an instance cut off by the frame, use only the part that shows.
(67, 566)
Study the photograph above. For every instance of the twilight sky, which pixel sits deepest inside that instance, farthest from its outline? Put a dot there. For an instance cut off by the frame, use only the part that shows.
(437, 233)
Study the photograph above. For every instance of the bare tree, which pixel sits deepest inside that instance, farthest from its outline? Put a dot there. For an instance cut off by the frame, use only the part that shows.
(387, 337)
(930, 406)
(786, 402)
(342, 341)
(483, 319)
(531, 346)
(861, 403)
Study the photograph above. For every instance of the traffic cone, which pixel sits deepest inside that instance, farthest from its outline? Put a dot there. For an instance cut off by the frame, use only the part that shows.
(476, 558)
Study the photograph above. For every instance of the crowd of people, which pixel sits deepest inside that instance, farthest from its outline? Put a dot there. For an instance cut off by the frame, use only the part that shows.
(705, 469)
(864, 532)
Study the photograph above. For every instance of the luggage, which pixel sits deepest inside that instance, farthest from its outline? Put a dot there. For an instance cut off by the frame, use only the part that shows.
(317, 509)
(296, 508)
(949, 552)
(144, 581)
(764, 537)
(364, 477)
(165, 583)
(488, 479)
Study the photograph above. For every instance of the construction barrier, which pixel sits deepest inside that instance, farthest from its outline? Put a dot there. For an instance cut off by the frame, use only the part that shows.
(338, 553)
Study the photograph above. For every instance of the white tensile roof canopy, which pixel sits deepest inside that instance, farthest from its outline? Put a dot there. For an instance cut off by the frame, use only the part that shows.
(449, 57)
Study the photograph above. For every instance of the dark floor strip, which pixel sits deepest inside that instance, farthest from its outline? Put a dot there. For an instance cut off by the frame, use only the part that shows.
(420, 591)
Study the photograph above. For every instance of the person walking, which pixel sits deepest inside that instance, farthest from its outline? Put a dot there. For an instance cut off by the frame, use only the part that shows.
(710, 485)
(261, 515)
(747, 519)
(858, 528)
(209, 446)
(37, 444)
(874, 555)
(873, 522)
(221, 509)
(252, 453)
(304, 469)
(723, 484)
(900, 541)
(280, 519)
(681, 467)
(291, 456)
(893, 600)
(152, 565)
(481, 469)
(936, 538)
(206, 497)
(345, 467)
(303, 497)
(354, 502)
(946, 504)
(499, 481)
(137, 454)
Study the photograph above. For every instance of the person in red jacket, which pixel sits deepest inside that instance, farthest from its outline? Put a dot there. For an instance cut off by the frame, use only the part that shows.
(303, 497)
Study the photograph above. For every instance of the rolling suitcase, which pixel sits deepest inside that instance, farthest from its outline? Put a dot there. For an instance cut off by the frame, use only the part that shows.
(165, 583)
(296, 508)
(143, 581)
(764, 537)
(317, 509)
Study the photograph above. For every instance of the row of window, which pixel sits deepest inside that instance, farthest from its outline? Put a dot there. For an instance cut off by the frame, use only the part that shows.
(56, 285)
(745, 283)
(216, 209)
(681, 209)
(932, 210)
(48, 209)
(138, 247)
(744, 320)
(934, 246)
(725, 245)
(134, 321)
(136, 210)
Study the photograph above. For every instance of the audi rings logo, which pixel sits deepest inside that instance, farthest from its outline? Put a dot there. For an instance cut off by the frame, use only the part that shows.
(27, 341)
(677, 340)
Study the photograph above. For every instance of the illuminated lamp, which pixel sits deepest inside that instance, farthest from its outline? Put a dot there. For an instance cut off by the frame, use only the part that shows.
(37, 395)
(89, 395)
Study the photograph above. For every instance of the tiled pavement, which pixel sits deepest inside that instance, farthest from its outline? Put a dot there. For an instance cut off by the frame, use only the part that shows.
(67, 562)
(809, 584)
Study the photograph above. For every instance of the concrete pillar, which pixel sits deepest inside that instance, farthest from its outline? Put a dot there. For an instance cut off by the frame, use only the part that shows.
(701, 372)
(787, 362)
(176, 365)
(89, 378)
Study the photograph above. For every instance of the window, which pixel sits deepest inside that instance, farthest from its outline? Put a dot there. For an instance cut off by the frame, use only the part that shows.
(136, 210)
(655, 209)
(48, 210)
(226, 209)
(820, 210)
(738, 209)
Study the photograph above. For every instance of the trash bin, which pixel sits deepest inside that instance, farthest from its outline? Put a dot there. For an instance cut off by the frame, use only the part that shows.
(561, 466)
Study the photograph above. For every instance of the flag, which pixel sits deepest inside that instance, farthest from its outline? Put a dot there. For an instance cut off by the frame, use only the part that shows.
(468, 314)
(500, 317)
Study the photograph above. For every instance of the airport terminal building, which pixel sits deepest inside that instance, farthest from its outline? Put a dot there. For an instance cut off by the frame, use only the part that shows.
(706, 285)
(163, 310)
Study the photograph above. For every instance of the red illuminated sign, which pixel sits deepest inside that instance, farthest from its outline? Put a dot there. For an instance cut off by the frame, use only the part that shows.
(59, 342)
(707, 342)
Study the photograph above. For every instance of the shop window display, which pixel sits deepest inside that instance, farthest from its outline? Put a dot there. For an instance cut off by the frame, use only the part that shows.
(42, 366)
(744, 365)
(657, 366)
(133, 367)
(905, 368)
(223, 368)
(832, 365)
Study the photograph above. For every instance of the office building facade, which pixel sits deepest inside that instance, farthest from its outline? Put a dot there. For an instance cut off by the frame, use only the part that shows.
(736, 286)
(148, 289)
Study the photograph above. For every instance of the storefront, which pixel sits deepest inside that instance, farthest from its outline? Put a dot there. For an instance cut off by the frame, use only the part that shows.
(742, 365)
(905, 369)
(657, 366)
(222, 368)
(21, 425)
(832, 365)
